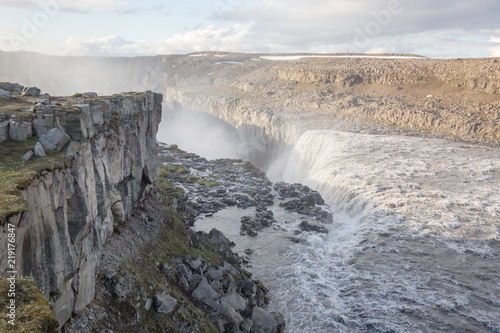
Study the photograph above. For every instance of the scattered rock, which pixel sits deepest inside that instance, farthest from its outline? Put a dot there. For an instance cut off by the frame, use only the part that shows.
(27, 156)
(248, 287)
(4, 131)
(20, 131)
(148, 304)
(31, 91)
(312, 227)
(204, 291)
(39, 151)
(4, 94)
(164, 303)
(263, 321)
(235, 300)
(55, 139)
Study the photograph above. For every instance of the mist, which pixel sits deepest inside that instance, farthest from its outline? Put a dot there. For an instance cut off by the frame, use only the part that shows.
(200, 133)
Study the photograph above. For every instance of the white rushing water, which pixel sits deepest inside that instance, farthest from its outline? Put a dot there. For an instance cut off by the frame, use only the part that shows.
(414, 246)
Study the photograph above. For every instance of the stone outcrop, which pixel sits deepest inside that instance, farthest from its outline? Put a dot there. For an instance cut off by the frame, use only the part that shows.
(73, 211)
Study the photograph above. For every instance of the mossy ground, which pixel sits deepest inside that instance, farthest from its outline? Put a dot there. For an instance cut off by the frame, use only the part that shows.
(33, 313)
(15, 175)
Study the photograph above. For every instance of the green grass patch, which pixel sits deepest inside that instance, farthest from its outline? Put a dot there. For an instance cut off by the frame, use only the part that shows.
(33, 313)
(16, 175)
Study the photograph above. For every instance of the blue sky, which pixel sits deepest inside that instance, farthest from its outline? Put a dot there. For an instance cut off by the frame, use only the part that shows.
(447, 29)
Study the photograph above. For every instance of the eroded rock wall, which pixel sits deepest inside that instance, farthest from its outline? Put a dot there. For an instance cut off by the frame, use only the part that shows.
(74, 211)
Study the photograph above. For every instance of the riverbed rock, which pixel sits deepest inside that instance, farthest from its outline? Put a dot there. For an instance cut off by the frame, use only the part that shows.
(263, 321)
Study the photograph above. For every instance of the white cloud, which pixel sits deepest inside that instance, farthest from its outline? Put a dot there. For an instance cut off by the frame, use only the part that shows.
(69, 5)
(204, 39)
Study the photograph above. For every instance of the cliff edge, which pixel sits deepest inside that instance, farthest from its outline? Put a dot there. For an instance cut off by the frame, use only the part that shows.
(102, 159)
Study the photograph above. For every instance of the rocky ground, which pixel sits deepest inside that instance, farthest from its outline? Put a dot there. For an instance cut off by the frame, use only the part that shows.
(158, 274)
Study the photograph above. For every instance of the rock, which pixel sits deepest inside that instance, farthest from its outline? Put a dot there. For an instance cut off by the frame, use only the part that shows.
(312, 227)
(2, 117)
(27, 156)
(4, 94)
(20, 131)
(43, 124)
(148, 303)
(235, 300)
(90, 95)
(39, 151)
(42, 108)
(165, 303)
(31, 91)
(195, 264)
(263, 321)
(183, 271)
(280, 320)
(216, 237)
(14, 88)
(228, 312)
(4, 131)
(205, 291)
(55, 139)
(214, 274)
(248, 287)
(123, 286)
(246, 326)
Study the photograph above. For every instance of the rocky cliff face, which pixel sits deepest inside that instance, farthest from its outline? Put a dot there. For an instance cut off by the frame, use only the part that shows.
(73, 211)
(457, 99)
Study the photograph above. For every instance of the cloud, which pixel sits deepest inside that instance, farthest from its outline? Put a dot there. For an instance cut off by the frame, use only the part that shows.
(208, 38)
(83, 6)
(297, 25)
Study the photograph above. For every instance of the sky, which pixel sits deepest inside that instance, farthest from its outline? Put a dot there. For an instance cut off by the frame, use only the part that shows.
(438, 29)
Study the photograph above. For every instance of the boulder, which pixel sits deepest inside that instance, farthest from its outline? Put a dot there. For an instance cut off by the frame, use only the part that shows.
(90, 95)
(31, 91)
(215, 237)
(235, 300)
(248, 287)
(55, 139)
(312, 227)
(214, 274)
(263, 321)
(14, 88)
(20, 130)
(4, 94)
(4, 131)
(228, 312)
(148, 303)
(164, 303)
(39, 151)
(2, 117)
(43, 124)
(205, 291)
(27, 156)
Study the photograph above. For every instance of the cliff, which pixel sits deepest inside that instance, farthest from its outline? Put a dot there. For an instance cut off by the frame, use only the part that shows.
(71, 208)
(457, 99)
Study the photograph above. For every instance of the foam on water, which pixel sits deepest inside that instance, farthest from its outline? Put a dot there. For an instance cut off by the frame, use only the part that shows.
(414, 246)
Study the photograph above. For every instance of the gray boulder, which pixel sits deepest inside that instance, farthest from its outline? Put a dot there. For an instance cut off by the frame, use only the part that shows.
(263, 321)
(43, 124)
(165, 303)
(214, 274)
(31, 91)
(248, 287)
(14, 88)
(205, 291)
(4, 94)
(90, 95)
(2, 117)
(55, 139)
(228, 312)
(39, 151)
(235, 300)
(4, 131)
(27, 156)
(20, 131)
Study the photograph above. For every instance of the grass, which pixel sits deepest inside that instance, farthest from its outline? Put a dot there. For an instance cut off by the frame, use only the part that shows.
(16, 175)
(33, 313)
